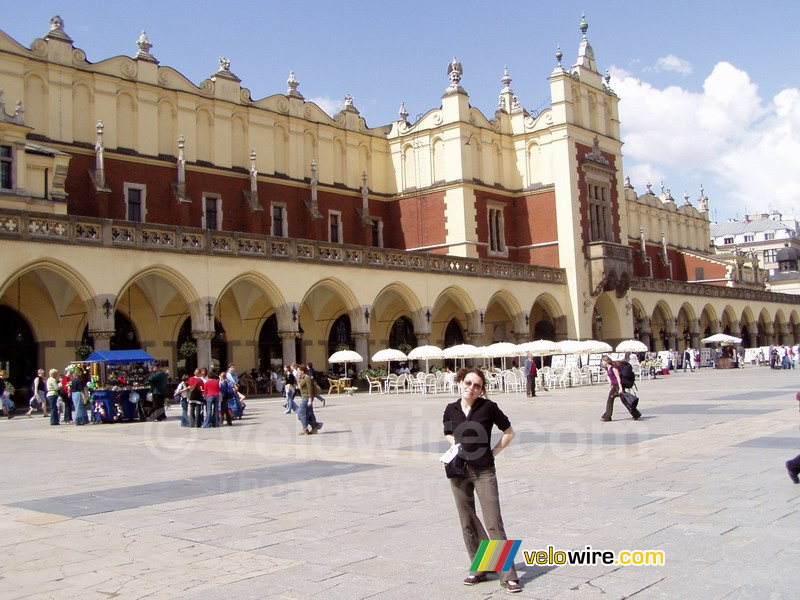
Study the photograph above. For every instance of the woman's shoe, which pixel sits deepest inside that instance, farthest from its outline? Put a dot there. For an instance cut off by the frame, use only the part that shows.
(512, 587)
(475, 579)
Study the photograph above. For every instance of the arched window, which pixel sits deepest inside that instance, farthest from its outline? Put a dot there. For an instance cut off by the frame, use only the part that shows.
(402, 332)
(340, 334)
(454, 334)
(270, 347)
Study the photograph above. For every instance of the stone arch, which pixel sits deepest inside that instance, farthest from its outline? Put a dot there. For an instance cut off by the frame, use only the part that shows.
(453, 302)
(339, 167)
(240, 144)
(167, 135)
(51, 296)
(364, 156)
(503, 310)
(392, 302)
(83, 127)
(126, 120)
(438, 151)
(547, 316)
(36, 103)
(204, 134)
(323, 303)
(279, 143)
(309, 151)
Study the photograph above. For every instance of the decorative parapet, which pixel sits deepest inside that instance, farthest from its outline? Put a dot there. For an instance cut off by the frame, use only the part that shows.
(93, 232)
(664, 286)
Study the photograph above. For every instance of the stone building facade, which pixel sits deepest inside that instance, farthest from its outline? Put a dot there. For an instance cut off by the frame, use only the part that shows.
(138, 209)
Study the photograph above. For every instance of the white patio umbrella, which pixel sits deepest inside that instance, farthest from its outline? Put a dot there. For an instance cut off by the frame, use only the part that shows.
(631, 346)
(595, 347)
(569, 347)
(501, 350)
(539, 347)
(719, 338)
(387, 355)
(462, 351)
(426, 353)
(345, 356)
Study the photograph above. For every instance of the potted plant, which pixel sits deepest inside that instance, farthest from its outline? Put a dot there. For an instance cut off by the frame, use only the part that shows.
(188, 349)
(350, 390)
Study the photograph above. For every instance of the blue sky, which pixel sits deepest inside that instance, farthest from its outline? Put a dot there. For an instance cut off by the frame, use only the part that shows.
(709, 90)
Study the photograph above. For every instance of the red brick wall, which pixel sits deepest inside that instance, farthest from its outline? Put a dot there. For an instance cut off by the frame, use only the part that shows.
(583, 196)
(528, 220)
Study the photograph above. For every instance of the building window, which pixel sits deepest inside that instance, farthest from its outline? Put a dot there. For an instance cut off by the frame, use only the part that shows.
(727, 241)
(377, 233)
(600, 213)
(769, 236)
(335, 227)
(497, 237)
(6, 168)
(212, 213)
(135, 202)
(769, 256)
(699, 274)
(280, 226)
(750, 238)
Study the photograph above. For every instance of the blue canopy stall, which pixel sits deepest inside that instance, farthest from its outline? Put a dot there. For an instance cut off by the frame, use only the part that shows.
(120, 384)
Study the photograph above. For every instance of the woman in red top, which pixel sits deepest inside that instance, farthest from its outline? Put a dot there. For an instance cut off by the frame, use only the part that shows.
(211, 391)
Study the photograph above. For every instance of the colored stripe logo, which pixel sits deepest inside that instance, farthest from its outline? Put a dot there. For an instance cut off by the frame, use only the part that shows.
(495, 555)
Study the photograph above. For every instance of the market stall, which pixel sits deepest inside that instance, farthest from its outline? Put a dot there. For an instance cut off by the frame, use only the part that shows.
(119, 385)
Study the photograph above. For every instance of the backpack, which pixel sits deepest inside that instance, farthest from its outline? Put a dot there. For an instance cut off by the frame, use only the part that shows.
(626, 374)
(196, 392)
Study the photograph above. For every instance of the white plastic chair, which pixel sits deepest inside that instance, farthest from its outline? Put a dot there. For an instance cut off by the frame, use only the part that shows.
(374, 383)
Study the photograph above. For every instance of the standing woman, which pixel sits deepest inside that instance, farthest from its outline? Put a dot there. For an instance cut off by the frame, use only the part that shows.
(615, 386)
(77, 387)
(468, 421)
(52, 396)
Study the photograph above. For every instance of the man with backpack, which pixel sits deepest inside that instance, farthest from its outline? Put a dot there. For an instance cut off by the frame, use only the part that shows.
(620, 378)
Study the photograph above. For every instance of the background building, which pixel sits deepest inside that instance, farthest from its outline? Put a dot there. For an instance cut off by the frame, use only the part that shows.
(138, 209)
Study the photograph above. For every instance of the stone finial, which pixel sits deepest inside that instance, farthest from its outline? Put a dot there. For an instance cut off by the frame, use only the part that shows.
(224, 64)
(584, 26)
(403, 113)
(349, 106)
(253, 172)
(57, 30)
(292, 82)
(454, 72)
(559, 56)
(144, 46)
(181, 160)
(686, 199)
(628, 184)
(506, 80)
(649, 187)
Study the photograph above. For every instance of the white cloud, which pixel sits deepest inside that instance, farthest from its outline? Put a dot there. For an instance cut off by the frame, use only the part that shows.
(744, 150)
(330, 105)
(670, 62)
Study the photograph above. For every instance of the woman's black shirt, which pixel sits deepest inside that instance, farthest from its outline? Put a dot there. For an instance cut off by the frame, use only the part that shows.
(474, 432)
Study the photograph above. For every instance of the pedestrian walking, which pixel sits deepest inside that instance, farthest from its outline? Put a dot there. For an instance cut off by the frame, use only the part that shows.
(616, 388)
(530, 370)
(159, 382)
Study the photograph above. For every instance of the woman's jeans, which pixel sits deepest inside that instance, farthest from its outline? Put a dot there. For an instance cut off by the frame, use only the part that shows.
(302, 412)
(212, 407)
(290, 404)
(484, 482)
(195, 408)
(53, 402)
(184, 412)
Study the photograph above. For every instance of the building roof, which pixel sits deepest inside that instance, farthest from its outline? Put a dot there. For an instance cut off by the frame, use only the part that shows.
(740, 227)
